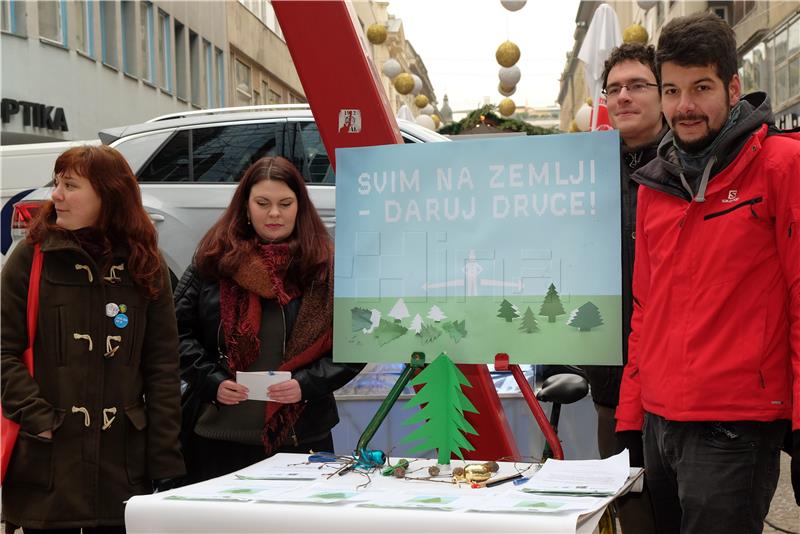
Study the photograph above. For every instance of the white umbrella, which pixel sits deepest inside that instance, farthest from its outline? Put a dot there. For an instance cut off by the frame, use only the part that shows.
(603, 36)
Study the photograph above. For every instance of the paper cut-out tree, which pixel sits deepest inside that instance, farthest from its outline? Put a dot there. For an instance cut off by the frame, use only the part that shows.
(529, 324)
(416, 324)
(506, 311)
(551, 307)
(399, 311)
(436, 314)
(388, 331)
(442, 405)
(586, 317)
(361, 319)
(456, 330)
(429, 333)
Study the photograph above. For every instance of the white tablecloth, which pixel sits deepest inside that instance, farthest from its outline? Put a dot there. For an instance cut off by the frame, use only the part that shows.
(158, 514)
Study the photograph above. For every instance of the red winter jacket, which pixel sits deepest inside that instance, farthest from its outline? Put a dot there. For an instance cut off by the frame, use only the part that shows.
(716, 320)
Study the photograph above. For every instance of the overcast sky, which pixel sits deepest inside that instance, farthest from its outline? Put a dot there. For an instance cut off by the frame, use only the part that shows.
(457, 40)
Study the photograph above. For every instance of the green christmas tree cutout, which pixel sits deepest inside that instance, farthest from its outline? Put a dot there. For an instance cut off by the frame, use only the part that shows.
(429, 333)
(507, 311)
(388, 331)
(586, 317)
(457, 330)
(361, 319)
(529, 324)
(551, 307)
(442, 405)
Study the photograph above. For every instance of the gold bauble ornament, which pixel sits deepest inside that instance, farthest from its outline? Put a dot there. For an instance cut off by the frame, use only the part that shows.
(589, 102)
(507, 107)
(376, 34)
(436, 120)
(635, 33)
(403, 83)
(507, 54)
(421, 101)
(573, 127)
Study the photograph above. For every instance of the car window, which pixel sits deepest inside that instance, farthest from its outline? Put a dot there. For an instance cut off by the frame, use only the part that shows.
(309, 154)
(138, 149)
(215, 154)
(222, 154)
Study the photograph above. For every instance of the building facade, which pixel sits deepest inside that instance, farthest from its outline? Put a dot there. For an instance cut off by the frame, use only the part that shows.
(767, 35)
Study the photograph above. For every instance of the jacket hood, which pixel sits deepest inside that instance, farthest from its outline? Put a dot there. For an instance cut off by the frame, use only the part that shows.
(665, 173)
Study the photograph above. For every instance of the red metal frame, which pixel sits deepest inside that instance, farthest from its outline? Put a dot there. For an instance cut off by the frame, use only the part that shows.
(337, 72)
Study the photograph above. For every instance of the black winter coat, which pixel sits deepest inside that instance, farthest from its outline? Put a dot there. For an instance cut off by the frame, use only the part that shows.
(202, 341)
(605, 380)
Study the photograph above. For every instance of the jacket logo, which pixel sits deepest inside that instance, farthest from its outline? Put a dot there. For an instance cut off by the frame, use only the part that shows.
(733, 196)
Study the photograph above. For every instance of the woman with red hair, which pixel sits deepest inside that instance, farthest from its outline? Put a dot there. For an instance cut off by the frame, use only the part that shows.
(99, 416)
(259, 297)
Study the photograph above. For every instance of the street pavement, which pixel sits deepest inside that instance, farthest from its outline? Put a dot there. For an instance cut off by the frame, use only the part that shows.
(784, 512)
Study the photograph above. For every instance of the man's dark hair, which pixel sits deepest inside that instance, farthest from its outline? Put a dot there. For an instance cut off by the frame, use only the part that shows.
(644, 54)
(698, 40)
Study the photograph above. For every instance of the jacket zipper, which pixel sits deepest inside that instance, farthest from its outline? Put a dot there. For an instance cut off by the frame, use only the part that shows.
(750, 202)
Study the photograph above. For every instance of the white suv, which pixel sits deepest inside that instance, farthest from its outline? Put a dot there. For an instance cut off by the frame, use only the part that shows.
(188, 165)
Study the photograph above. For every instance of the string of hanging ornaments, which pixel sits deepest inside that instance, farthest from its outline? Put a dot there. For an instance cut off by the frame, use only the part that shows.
(507, 56)
(404, 82)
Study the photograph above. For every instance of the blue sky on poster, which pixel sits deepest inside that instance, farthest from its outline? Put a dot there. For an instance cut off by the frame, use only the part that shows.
(535, 211)
(457, 40)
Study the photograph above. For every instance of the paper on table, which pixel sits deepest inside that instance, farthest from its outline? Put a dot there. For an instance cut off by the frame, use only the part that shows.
(258, 382)
(582, 477)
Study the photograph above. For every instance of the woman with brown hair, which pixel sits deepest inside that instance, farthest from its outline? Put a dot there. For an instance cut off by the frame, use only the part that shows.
(259, 297)
(99, 418)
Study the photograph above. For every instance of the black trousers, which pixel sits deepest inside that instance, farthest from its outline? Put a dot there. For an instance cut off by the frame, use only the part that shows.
(213, 458)
(92, 530)
(711, 477)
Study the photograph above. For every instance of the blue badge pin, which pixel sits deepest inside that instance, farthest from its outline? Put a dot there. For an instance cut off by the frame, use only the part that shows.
(121, 320)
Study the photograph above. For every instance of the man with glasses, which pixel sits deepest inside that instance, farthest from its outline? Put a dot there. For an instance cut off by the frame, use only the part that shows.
(634, 104)
(713, 372)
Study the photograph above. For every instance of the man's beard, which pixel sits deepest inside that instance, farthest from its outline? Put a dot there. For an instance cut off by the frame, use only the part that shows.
(693, 147)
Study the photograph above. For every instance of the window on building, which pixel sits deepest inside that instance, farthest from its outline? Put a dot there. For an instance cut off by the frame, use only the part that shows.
(741, 9)
(164, 52)
(181, 62)
(147, 59)
(274, 97)
(218, 154)
(220, 78)
(129, 28)
(12, 13)
(53, 20)
(720, 11)
(108, 33)
(208, 53)
(194, 67)
(83, 26)
(754, 71)
(244, 88)
(786, 56)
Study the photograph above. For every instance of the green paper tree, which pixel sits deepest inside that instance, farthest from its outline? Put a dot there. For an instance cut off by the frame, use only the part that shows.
(388, 331)
(456, 330)
(507, 311)
(586, 317)
(529, 324)
(442, 405)
(361, 319)
(429, 333)
(551, 307)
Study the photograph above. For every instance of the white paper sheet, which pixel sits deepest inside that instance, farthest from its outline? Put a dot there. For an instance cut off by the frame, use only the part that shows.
(258, 382)
(580, 477)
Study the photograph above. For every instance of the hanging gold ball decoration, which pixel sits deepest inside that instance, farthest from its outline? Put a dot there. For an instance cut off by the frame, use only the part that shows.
(589, 102)
(403, 83)
(436, 120)
(507, 54)
(421, 101)
(506, 91)
(507, 107)
(635, 33)
(573, 127)
(376, 34)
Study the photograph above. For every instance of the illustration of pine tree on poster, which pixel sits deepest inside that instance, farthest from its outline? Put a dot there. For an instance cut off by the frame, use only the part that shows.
(507, 311)
(586, 317)
(442, 417)
(551, 307)
(529, 324)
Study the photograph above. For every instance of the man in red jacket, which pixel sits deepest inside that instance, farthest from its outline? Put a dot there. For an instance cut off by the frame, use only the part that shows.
(713, 373)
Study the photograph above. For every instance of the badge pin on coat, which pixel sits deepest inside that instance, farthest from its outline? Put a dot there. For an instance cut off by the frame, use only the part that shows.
(117, 312)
